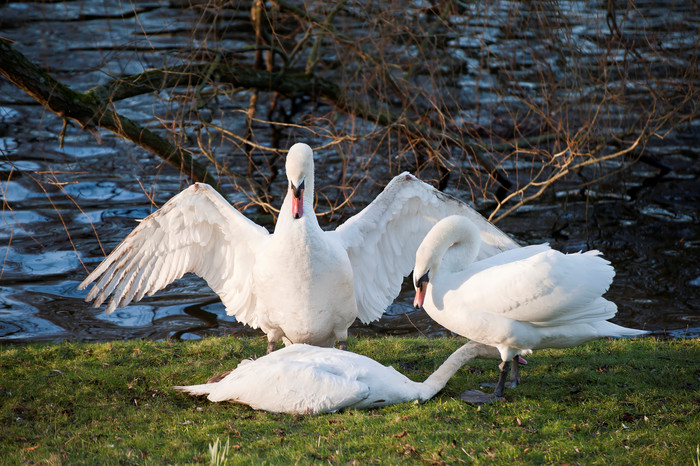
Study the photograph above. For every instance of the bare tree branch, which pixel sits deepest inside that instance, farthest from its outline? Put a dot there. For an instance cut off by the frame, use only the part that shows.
(91, 112)
(289, 84)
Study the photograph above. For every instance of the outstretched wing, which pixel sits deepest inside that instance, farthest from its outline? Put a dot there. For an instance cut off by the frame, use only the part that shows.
(383, 238)
(196, 231)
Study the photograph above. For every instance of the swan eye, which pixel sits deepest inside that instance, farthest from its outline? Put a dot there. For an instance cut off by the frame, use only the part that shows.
(424, 279)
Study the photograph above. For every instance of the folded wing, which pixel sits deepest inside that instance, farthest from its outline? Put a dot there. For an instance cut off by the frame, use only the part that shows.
(382, 239)
(196, 231)
(548, 288)
(300, 379)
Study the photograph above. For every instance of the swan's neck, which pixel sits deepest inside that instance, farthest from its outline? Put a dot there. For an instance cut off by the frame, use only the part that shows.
(439, 378)
(452, 249)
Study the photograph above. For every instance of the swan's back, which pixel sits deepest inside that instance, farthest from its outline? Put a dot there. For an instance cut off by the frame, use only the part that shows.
(530, 298)
(539, 285)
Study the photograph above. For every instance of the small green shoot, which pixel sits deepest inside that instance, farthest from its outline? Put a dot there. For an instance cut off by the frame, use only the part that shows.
(218, 453)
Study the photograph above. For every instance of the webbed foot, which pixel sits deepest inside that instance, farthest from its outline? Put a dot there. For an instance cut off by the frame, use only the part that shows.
(477, 397)
(515, 370)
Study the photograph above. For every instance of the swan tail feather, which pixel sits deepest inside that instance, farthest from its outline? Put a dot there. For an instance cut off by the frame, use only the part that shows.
(195, 390)
(618, 331)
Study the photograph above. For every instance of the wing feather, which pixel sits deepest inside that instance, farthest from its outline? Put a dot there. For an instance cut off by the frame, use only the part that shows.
(141, 291)
(137, 277)
(547, 288)
(383, 238)
(196, 231)
(294, 386)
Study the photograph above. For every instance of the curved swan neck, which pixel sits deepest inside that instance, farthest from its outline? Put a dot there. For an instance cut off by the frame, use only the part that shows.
(447, 369)
(457, 234)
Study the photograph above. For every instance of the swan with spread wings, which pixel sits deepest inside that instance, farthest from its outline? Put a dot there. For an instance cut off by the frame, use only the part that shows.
(300, 284)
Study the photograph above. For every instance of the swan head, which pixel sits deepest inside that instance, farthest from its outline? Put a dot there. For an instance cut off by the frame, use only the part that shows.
(421, 286)
(300, 172)
(425, 261)
(455, 233)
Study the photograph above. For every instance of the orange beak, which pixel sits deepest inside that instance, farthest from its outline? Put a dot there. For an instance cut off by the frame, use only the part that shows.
(298, 205)
(421, 288)
(420, 295)
(297, 200)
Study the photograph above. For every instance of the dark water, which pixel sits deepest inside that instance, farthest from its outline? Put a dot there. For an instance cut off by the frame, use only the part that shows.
(64, 208)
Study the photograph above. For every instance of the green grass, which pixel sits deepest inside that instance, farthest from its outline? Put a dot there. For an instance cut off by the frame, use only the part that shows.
(607, 402)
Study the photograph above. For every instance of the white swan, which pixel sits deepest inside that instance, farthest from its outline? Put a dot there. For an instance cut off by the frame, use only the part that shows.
(300, 284)
(520, 300)
(305, 379)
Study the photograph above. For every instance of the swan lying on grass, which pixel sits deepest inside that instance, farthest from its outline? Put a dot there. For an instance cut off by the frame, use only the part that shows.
(303, 379)
(299, 284)
(520, 300)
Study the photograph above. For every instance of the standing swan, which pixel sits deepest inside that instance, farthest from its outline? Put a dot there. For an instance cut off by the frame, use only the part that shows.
(300, 284)
(520, 300)
(303, 379)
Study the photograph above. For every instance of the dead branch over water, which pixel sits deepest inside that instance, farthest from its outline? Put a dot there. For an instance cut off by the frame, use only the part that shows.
(92, 113)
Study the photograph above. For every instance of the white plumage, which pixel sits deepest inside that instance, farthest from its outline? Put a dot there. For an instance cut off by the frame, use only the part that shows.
(520, 300)
(300, 284)
(305, 379)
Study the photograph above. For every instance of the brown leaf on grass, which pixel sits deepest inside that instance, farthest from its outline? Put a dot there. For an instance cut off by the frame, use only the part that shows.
(409, 450)
(401, 435)
(231, 429)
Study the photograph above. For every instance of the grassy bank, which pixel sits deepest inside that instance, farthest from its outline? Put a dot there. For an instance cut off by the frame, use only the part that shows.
(611, 402)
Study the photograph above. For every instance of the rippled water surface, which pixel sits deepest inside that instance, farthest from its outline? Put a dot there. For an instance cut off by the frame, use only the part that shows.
(58, 202)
